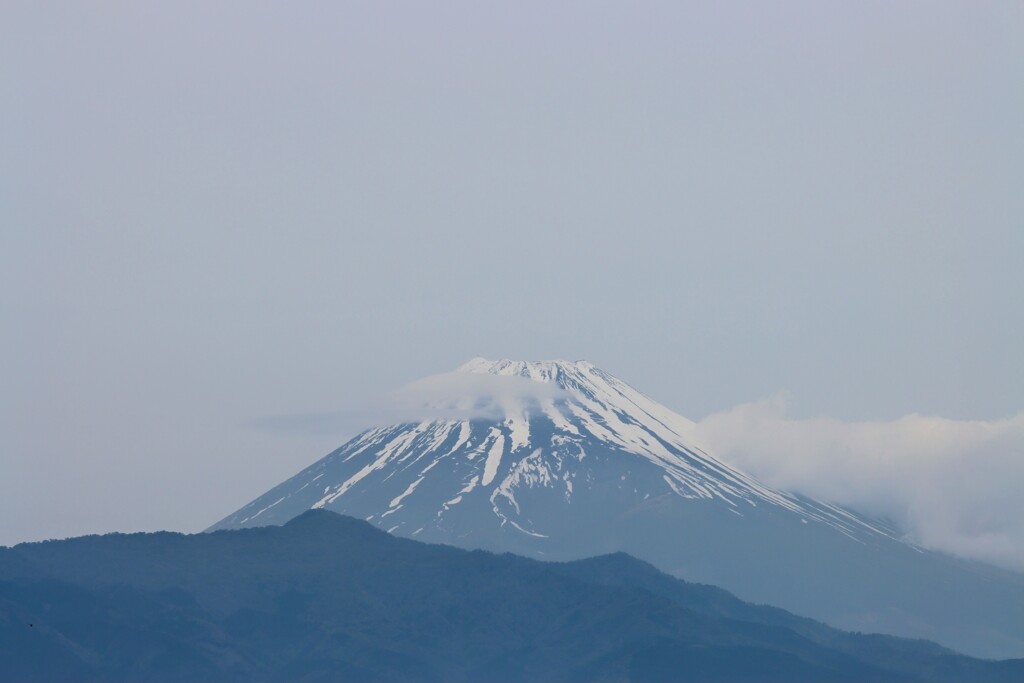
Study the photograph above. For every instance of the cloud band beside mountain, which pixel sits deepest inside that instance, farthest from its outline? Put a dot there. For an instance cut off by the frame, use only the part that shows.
(953, 485)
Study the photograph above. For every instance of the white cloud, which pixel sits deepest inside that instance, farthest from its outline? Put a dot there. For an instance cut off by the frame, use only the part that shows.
(953, 485)
(447, 396)
(475, 391)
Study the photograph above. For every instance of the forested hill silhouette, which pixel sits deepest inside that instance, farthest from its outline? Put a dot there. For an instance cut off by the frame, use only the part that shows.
(331, 598)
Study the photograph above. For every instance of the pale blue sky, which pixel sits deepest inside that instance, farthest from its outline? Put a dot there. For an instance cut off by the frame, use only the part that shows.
(216, 212)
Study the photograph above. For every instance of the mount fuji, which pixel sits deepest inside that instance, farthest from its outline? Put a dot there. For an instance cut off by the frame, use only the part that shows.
(560, 460)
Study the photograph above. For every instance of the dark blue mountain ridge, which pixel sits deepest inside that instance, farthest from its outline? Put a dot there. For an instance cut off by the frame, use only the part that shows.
(331, 598)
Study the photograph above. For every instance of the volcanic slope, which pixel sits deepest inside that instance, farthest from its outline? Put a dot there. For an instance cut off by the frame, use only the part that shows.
(561, 460)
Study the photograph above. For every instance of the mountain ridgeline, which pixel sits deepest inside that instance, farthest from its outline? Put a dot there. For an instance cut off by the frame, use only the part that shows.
(331, 598)
(571, 462)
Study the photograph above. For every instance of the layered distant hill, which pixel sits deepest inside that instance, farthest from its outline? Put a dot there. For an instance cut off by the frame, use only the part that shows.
(587, 465)
(330, 598)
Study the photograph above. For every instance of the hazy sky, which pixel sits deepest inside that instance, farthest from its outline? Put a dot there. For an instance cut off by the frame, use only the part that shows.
(216, 213)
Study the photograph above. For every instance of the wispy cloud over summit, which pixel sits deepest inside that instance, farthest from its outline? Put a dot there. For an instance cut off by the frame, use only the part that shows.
(445, 396)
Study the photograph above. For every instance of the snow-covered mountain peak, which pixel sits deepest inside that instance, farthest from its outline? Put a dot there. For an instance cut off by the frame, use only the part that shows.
(588, 388)
(507, 440)
(537, 370)
(560, 460)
